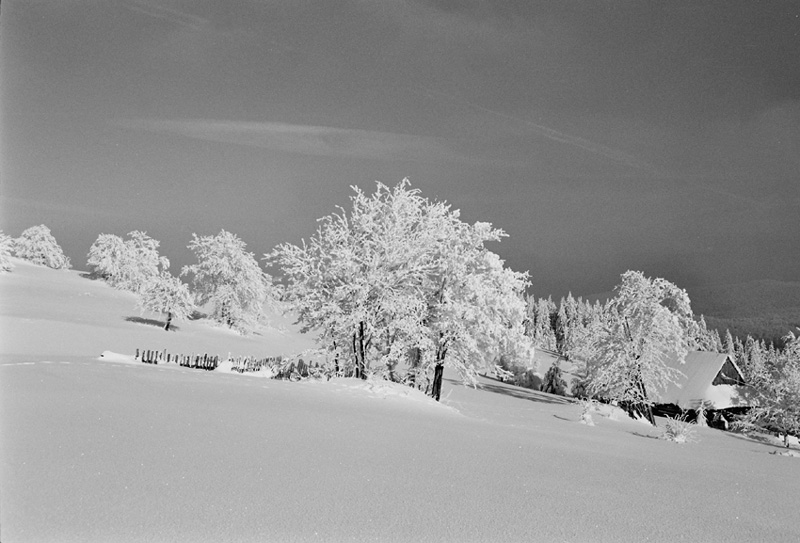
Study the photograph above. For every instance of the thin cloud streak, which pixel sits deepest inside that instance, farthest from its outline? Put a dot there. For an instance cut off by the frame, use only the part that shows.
(308, 140)
(555, 135)
(180, 18)
(33, 206)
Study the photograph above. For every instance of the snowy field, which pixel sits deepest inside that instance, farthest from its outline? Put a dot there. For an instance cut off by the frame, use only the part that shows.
(101, 449)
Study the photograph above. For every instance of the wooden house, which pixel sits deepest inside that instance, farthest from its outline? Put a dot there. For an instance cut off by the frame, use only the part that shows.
(708, 378)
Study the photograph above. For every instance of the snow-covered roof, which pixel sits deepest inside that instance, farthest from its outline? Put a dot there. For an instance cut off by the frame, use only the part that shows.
(697, 383)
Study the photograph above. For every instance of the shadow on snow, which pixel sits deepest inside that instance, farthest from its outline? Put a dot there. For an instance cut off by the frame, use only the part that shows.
(152, 322)
(498, 387)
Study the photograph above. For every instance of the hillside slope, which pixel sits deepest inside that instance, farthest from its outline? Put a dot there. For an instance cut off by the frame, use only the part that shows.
(97, 450)
(58, 312)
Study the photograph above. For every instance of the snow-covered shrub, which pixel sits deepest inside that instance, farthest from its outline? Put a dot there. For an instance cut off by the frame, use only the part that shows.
(6, 248)
(580, 388)
(520, 374)
(37, 245)
(167, 294)
(678, 430)
(528, 379)
(503, 374)
(587, 407)
(702, 413)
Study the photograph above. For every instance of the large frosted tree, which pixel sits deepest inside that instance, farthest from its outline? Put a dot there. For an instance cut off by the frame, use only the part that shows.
(401, 278)
(37, 245)
(229, 280)
(648, 322)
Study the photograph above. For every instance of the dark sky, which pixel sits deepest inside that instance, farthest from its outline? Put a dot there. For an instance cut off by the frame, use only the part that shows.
(602, 136)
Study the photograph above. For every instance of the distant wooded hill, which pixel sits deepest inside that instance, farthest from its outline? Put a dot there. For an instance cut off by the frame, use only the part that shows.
(765, 309)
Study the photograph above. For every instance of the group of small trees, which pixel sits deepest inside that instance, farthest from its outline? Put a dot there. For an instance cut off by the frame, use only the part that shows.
(36, 245)
(136, 266)
(773, 378)
(225, 278)
(404, 279)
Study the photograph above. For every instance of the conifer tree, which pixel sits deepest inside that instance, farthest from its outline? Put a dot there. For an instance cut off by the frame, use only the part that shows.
(554, 382)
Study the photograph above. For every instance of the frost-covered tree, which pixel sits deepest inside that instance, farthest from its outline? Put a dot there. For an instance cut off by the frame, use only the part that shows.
(127, 265)
(707, 340)
(539, 323)
(400, 278)
(37, 245)
(553, 381)
(167, 294)
(230, 280)
(476, 306)
(728, 345)
(106, 256)
(646, 326)
(359, 281)
(6, 249)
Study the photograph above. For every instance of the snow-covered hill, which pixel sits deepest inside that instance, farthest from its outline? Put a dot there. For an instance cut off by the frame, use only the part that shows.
(64, 313)
(97, 449)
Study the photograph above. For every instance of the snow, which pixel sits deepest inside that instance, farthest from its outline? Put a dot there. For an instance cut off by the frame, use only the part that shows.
(98, 447)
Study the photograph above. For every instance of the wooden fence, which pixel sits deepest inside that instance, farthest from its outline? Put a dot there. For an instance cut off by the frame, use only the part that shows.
(241, 364)
(198, 361)
(244, 364)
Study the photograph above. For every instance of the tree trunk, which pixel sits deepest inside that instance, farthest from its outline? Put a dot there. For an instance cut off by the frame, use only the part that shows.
(645, 407)
(359, 353)
(335, 359)
(436, 389)
(362, 350)
(438, 372)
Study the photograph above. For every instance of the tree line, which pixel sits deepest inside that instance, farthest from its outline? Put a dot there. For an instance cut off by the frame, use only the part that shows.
(621, 348)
